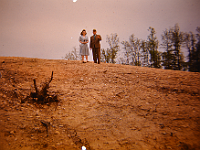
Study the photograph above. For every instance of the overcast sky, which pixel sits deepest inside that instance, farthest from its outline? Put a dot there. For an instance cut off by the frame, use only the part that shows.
(51, 28)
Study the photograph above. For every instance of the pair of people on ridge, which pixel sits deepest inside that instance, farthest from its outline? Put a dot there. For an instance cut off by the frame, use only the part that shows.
(94, 46)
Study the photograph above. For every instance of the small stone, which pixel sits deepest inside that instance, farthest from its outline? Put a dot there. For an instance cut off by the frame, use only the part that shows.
(58, 144)
(57, 132)
(133, 128)
(36, 128)
(169, 147)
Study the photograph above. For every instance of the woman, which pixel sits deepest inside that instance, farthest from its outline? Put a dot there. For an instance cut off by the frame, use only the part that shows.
(84, 50)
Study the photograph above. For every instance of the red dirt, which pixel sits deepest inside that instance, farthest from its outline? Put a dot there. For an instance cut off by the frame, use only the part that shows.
(103, 107)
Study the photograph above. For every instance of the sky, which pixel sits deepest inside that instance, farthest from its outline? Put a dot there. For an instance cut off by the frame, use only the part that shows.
(50, 29)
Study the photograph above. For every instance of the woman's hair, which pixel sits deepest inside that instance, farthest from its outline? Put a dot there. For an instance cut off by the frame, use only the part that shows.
(82, 32)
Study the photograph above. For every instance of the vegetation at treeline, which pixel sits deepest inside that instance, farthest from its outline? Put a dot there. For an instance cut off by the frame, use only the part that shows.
(138, 52)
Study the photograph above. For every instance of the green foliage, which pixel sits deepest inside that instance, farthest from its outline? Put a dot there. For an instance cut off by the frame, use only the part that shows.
(167, 59)
(167, 56)
(127, 52)
(135, 50)
(173, 39)
(132, 48)
(177, 39)
(190, 42)
(113, 42)
(194, 62)
(107, 55)
(153, 49)
(145, 52)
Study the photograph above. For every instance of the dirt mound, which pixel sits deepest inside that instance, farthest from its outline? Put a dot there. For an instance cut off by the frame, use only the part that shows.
(103, 107)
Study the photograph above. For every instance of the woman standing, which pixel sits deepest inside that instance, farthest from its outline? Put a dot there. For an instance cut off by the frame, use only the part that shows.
(84, 50)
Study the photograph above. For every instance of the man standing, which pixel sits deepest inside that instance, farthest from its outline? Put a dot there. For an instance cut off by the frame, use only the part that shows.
(95, 46)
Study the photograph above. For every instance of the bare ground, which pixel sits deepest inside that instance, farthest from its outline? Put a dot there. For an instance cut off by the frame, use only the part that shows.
(103, 107)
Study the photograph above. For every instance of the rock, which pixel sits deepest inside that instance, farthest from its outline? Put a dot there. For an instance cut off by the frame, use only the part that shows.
(60, 125)
(58, 144)
(29, 116)
(57, 132)
(133, 128)
(162, 126)
(169, 147)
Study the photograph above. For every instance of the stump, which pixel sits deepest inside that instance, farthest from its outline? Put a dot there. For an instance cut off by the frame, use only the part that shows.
(41, 96)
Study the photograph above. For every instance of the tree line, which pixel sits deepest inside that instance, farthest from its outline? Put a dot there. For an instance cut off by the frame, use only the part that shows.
(138, 52)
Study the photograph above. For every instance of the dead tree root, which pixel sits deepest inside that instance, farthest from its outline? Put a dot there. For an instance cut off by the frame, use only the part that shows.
(41, 96)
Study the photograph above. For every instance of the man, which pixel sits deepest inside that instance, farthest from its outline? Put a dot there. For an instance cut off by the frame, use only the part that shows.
(95, 46)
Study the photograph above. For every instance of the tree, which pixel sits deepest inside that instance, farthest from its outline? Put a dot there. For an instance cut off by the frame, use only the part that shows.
(153, 49)
(172, 58)
(167, 56)
(132, 49)
(102, 56)
(190, 42)
(127, 53)
(177, 40)
(145, 51)
(73, 55)
(195, 54)
(137, 50)
(113, 42)
(107, 55)
(122, 61)
(135, 47)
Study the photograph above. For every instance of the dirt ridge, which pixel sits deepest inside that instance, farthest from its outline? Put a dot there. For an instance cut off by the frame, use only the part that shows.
(106, 106)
